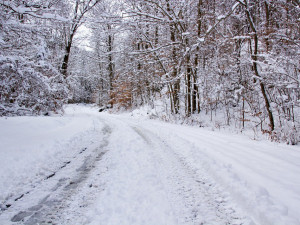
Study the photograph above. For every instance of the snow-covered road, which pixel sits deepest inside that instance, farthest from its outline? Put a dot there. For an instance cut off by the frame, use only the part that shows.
(114, 169)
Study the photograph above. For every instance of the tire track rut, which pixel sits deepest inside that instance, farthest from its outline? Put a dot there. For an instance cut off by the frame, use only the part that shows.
(203, 200)
(48, 209)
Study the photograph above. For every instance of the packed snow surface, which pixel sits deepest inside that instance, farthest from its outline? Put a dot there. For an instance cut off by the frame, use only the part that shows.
(87, 167)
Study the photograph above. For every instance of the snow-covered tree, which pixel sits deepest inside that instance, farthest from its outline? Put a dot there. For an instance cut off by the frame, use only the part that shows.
(30, 82)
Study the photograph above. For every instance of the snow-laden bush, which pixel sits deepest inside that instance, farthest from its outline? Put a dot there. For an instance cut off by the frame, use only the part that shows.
(287, 133)
(28, 88)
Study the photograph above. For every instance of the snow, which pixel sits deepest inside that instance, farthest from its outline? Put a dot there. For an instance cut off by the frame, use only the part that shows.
(20, 9)
(221, 17)
(29, 145)
(248, 171)
(209, 29)
(138, 197)
(201, 39)
(234, 6)
(87, 167)
(1, 40)
(54, 16)
(241, 37)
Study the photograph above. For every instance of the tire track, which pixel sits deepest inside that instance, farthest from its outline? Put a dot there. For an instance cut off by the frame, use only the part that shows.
(48, 210)
(192, 190)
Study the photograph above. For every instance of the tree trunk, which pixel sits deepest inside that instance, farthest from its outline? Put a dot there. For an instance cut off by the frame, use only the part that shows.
(176, 88)
(195, 93)
(110, 67)
(64, 67)
(267, 26)
(254, 60)
(188, 83)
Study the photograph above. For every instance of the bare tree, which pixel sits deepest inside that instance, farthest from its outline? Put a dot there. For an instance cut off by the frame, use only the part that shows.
(81, 8)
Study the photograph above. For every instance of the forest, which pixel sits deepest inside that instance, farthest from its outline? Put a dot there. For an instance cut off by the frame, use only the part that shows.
(235, 63)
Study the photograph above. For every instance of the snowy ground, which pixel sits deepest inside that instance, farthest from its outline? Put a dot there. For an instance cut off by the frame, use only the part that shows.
(88, 167)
